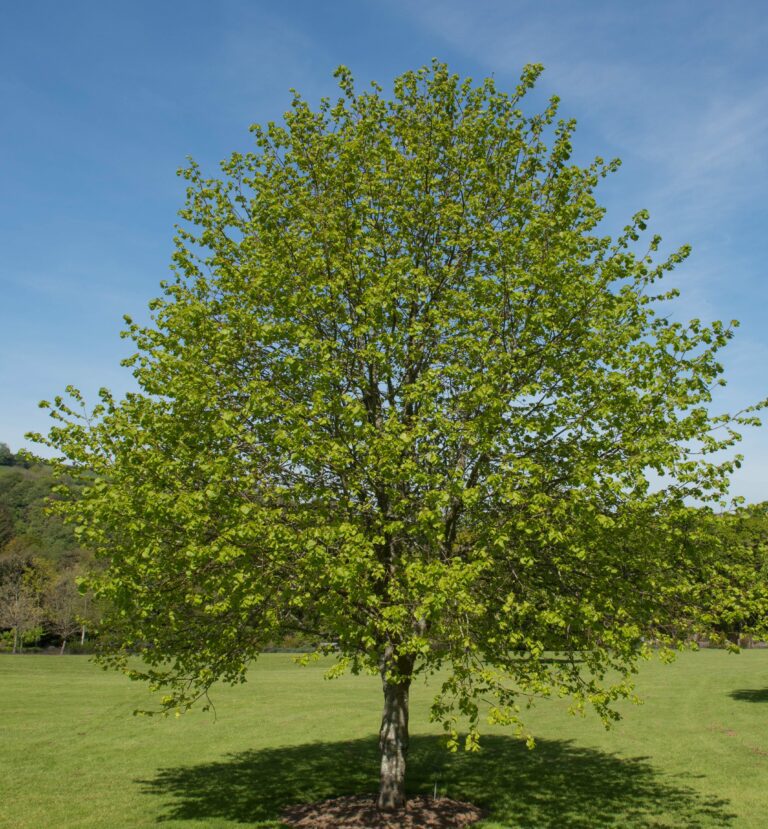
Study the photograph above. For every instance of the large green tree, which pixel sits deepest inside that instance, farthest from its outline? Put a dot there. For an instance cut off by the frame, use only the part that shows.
(404, 395)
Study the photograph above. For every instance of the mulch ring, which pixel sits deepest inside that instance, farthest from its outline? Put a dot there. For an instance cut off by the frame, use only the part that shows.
(361, 813)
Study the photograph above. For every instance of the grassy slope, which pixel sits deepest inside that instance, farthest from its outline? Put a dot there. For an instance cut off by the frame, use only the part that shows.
(71, 755)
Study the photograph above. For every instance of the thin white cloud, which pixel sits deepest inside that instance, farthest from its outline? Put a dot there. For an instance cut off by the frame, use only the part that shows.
(695, 131)
(687, 111)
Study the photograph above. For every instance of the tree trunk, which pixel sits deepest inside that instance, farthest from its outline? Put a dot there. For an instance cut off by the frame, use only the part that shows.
(393, 736)
(63, 645)
(82, 634)
(15, 639)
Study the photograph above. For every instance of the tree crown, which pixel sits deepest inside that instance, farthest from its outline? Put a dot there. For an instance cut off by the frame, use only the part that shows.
(403, 394)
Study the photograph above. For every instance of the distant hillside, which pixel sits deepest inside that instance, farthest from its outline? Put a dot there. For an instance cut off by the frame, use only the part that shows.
(25, 527)
(40, 562)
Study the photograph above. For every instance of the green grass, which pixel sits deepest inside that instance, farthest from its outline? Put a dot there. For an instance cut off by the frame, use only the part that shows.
(72, 756)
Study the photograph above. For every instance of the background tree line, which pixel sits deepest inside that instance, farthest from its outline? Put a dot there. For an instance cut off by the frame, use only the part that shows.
(40, 562)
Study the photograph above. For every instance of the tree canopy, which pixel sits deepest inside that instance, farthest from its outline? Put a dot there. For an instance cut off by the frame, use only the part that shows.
(402, 394)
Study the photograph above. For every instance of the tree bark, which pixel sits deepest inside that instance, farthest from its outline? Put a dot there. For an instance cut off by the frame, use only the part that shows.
(63, 645)
(393, 736)
(15, 639)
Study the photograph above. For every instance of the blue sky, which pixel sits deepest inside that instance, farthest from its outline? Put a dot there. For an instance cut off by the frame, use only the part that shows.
(102, 102)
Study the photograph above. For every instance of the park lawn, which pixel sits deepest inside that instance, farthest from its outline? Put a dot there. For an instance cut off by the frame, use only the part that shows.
(72, 756)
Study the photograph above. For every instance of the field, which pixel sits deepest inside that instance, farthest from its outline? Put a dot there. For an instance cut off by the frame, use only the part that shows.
(72, 756)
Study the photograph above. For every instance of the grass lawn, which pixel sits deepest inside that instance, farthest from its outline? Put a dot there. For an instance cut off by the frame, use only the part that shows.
(72, 756)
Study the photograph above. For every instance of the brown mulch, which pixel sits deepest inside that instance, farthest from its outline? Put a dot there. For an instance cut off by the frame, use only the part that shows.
(361, 813)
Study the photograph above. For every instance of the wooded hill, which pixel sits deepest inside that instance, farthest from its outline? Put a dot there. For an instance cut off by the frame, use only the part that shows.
(40, 561)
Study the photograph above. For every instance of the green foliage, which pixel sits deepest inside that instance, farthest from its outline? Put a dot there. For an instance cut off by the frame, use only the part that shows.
(402, 395)
(6, 525)
(734, 593)
(6, 456)
(39, 548)
(31, 635)
(24, 498)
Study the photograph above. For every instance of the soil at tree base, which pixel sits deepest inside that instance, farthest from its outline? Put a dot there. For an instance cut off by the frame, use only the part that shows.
(360, 812)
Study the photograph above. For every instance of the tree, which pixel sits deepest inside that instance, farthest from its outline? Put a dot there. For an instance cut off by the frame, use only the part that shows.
(19, 598)
(6, 456)
(20, 611)
(402, 395)
(64, 608)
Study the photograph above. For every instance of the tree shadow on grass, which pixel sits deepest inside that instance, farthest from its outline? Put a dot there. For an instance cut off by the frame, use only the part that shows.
(558, 785)
(750, 695)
